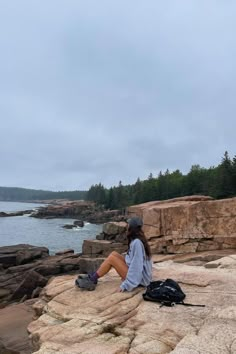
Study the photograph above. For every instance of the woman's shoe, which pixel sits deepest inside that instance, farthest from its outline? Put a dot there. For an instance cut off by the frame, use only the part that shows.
(85, 283)
(88, 276)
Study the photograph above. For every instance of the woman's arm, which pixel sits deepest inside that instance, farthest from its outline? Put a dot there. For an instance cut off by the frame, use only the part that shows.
(134, 275)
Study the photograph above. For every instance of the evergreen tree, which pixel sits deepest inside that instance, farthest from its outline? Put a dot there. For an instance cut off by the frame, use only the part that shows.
(218, 182)
(149, 189)
(111, 202)
(97, 193)
(175, 184)
(137, 192)
(234, 175)
(161, 186)
(225, 177)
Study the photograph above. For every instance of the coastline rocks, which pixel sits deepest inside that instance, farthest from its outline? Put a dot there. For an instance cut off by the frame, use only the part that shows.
(31, 281)
(188, 224)
(14, 319)
(82, 210)
(112, 238)
(65, 209)
(69, 226)
(114, 231)
(26, 269)
(67, 251)
(106, 321)
(77, 223)
(16, 213)
(20, 254)
(103, 216)
(102, 248)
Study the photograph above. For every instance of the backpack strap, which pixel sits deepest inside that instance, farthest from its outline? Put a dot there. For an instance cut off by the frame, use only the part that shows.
(167, 303)
(186, 304)
(171, 304)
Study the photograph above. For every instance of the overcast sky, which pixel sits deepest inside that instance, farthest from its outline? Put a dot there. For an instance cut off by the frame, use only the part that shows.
(110, 90)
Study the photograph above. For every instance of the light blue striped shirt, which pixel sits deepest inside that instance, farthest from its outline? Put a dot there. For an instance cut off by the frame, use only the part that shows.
(140, 267)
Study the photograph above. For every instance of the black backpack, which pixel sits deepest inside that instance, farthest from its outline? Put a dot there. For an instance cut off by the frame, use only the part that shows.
(167, 292)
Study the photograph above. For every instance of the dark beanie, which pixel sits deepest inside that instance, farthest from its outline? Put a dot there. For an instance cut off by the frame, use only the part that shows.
(135, 222)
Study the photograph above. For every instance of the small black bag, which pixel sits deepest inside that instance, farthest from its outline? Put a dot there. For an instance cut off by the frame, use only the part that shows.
(167, 292)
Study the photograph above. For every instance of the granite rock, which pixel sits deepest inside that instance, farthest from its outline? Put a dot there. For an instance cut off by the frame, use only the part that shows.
(106, 321)
(188, 224)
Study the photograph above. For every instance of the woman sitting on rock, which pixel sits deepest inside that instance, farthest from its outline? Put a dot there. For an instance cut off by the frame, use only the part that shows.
(135, 269)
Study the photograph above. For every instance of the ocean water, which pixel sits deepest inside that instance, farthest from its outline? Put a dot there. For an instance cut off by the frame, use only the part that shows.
(42, 232)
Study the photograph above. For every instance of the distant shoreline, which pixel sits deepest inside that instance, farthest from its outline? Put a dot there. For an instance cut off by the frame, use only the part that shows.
(25, 201)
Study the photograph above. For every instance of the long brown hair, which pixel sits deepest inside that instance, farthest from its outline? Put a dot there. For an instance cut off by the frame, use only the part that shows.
(137, 232)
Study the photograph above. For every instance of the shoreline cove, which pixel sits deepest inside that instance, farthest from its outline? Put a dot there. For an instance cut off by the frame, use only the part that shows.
(42, 232)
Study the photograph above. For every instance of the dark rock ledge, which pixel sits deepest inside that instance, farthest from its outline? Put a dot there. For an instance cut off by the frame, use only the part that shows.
(25, 270)
(16, 213)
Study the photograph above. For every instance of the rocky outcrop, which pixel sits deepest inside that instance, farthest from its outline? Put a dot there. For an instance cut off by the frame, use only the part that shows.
(65, 209)
(25, 270)
(104, 216)
(66, 251)
(69, 226)
(79, 223)
(83, 210)
(112, 238)
(14, 319)
(114, 231)
(17, 213)
(76, 223)
(107, 321)
(102, 248)
(188, 224)
(20, 254)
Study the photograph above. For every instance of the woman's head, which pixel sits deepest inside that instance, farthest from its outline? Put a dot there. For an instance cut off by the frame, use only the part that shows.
(135, 231)
(135, 222)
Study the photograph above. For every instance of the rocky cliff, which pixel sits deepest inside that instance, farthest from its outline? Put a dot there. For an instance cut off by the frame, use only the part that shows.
(106, 321)
(188, 224)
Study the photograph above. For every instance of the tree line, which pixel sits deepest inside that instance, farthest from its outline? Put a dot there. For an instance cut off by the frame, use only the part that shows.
(218, 182)
(24, 194)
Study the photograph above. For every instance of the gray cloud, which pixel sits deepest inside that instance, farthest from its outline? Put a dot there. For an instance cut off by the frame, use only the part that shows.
(106, 91)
